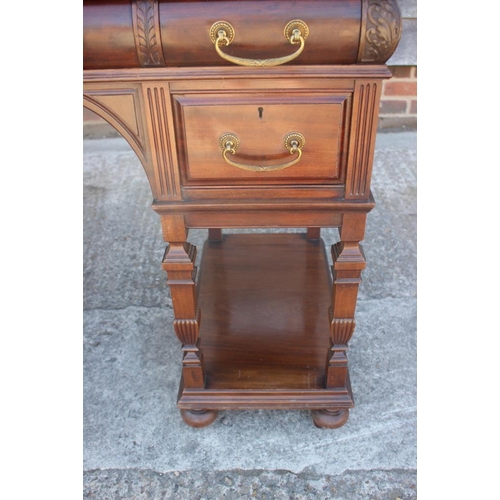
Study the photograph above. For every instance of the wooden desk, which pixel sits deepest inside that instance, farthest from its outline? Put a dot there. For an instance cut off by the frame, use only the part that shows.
(283, 138)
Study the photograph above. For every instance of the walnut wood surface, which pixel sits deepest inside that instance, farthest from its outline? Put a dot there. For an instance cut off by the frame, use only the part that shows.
(333, 39)
(330, 419)
(264, 323)
(265, 327)
(251, 337)
(261, 121)
(179, 262)
(152, 33)
(174, 120)
(198, 418)
(108, 36)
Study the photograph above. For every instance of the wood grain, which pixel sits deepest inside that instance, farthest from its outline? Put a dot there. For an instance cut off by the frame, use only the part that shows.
(263, 323)
(145, 33)
(251, 337)
(202, 118)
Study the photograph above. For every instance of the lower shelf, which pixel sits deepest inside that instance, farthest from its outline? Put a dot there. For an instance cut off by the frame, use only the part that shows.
(264, 334)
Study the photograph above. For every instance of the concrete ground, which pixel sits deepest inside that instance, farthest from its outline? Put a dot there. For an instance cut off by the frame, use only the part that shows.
(135, 443)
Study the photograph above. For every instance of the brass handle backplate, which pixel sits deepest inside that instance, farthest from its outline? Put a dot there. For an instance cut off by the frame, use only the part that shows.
(222, 34)
(294, 142)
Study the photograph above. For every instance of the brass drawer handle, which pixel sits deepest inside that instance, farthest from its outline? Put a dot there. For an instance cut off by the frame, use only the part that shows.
(294, 142)
(222, 33)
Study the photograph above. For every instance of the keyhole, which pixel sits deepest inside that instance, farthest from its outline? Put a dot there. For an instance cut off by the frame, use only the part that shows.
(261, 110)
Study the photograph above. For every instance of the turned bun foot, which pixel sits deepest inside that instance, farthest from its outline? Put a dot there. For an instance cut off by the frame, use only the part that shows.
(330, 419)
(198, 418)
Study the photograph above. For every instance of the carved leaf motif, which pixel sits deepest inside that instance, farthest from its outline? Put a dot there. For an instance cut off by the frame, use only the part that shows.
(146, 33)
(383, 30)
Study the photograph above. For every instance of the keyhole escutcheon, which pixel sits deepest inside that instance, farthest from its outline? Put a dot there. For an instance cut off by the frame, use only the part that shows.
(261, 110)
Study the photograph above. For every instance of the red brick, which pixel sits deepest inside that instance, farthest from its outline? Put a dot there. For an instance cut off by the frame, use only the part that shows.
(413, 107)
(401, 71)
(393, 107)
(400, 88)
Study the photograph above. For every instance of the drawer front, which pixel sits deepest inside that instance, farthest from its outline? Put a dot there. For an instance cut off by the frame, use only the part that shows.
(170, 33)
(258, 28)
(260, 121)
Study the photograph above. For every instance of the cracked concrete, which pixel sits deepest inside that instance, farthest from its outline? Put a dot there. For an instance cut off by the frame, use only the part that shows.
(135, 444)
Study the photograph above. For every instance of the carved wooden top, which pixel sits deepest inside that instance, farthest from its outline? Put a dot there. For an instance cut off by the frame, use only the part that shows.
(161, 33)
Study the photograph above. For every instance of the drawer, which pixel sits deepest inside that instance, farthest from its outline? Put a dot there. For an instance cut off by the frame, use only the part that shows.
(257, 124)
(176, 33)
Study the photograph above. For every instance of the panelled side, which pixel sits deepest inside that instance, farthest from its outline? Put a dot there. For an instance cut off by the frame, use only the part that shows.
(122, 106)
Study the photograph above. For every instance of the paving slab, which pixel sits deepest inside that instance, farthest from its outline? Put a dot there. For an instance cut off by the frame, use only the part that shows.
(259, 484)
(132, 365)
(136, 445)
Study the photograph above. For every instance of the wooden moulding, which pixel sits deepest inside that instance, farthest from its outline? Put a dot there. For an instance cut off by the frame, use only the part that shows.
(265, 328)
(252, 213)
(210, 73)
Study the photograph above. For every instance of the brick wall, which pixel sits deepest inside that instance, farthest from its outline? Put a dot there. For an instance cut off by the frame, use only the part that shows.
(398, 104)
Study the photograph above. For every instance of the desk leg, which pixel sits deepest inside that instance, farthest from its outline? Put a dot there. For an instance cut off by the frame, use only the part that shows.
(348, 262)
(179, 263)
